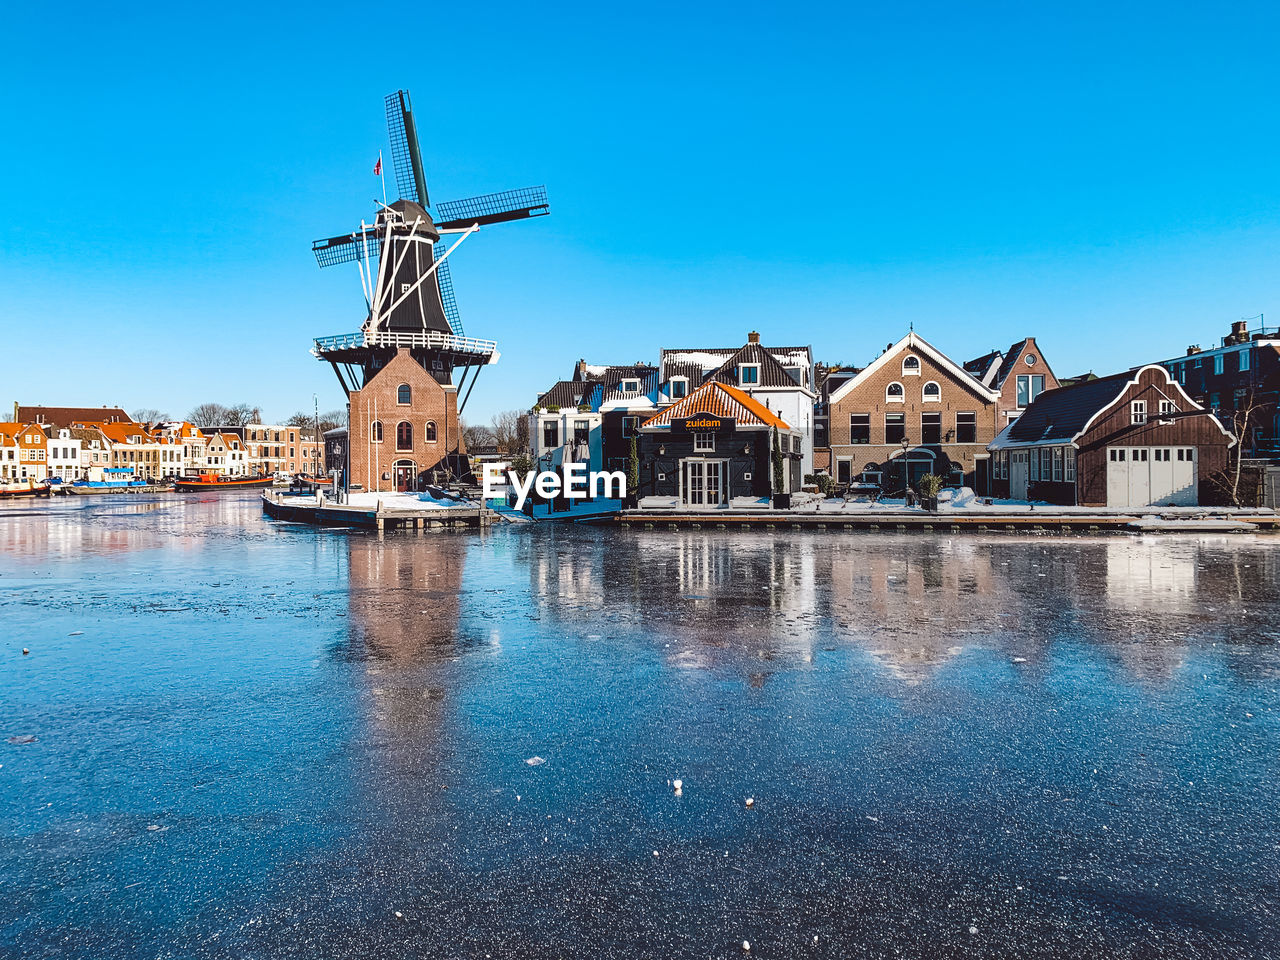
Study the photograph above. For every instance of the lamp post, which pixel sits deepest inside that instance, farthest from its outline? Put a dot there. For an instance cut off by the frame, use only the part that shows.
(906, 480)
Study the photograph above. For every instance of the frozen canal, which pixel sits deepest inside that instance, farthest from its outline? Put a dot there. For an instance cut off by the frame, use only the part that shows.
(254, 740)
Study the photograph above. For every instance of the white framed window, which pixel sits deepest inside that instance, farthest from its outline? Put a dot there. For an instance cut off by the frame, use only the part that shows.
(630, 425)
(894, 393)
(1168, 406)
(1057, 464)
(1069, 465)
(630, 386)
(932, 393)
(679, 387)
(911, 366)
(1217, 363)
(799, 375)
(1138, 411)
(748, 374)
(704, 442)
(1244, 360)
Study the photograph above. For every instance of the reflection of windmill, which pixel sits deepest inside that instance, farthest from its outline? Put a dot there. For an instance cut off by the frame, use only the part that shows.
(408, 293)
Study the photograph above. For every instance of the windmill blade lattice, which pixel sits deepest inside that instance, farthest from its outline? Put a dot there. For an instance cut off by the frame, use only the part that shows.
(406, 158)
(345, 249)
(445, 282)
(493, 208)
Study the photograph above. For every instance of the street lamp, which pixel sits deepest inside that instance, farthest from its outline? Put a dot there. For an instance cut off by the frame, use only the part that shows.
(906, 482)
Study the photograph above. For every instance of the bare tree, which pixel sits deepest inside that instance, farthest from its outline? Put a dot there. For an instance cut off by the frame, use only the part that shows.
(208, 415)
(149, 415)
(242, 414)
(1241, 423)
(332, 419)
(509, 430)
(301, 419)
(478, 436)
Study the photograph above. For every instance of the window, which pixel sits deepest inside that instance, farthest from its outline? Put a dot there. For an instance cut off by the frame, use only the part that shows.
(819, 431)
(966, 428)
(375, 432)
(1182, 374)
(1030, 386)
(429, 434)
(1138, 411)
(630, 386)
(894, 393)
(1215, 401)
(859, 428)
(932, 393)
(292, 437)
(1168, 406)
(1217, 363)
(581, 431)
(704, 442)
(1057, 464)
(910, 366)
(1244, 360)
(895, 427)
(748, 374)
(404, 396)
(797, 445)
(1069, 465)
(550, 433)
(630, 425)
(844, 471)
(679, 388)
(930, 428)
(1034, 473)
(798, 375)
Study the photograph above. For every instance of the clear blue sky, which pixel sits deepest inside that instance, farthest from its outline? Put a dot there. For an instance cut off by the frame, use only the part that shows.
(1100, 176)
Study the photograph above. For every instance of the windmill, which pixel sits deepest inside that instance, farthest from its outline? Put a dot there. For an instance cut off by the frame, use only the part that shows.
(402, 257)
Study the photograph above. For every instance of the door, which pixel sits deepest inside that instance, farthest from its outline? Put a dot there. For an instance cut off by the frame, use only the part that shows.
(1019, 474)
(405, 476)
(1139, 476)
(703, 483)
(1185, 491)
(1117, 476)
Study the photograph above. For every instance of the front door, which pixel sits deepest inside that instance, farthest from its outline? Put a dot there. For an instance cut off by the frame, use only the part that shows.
(702, 483)
(1019, 474)
(406, 476)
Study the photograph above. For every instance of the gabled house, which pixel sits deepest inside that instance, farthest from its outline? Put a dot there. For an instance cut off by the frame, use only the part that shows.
(95, 452)
(716, 444)
(780, 378)
(226, 454)
(912, 411)
(1133, 439)
(22, 452)
(64, 453)
(1019, 374)
(191, 442)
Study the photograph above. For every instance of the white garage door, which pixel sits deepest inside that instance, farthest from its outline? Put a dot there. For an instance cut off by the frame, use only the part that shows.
(1146, 476)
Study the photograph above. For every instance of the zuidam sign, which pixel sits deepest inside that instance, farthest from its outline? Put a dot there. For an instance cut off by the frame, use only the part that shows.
(703, 423)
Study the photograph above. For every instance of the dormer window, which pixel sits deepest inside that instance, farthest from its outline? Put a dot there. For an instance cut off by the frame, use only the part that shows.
(894, 393)
(797, 374)
(679, 387)
(931, 393)
(630, 386)
(748, 374)
(911, 366)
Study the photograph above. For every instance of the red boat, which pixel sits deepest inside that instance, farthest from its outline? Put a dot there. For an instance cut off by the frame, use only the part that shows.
(212, 481)
(27, 488)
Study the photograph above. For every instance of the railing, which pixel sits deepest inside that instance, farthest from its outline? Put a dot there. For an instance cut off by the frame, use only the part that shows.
(430, 339)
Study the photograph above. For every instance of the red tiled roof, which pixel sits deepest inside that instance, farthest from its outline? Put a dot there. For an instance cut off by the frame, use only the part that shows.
(719, 400)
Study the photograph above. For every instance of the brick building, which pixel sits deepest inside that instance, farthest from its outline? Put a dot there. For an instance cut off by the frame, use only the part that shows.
(910, 412)
(1019, 374)
(403, 426)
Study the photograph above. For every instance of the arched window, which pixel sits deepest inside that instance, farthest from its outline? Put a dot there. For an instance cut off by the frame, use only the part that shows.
(430, 435)
(404, 435)
(894, 393)
(375, 431)
(932, 393)
(403, 394)
(910, 366)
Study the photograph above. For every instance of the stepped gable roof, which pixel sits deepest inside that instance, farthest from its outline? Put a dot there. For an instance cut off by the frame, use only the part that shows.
(65, 416)
(719, 400)
(772, 373)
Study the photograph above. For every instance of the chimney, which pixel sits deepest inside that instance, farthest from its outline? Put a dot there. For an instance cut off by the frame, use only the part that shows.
(1193, 349)
(753, 337)
(580, 371)
(1240, 331)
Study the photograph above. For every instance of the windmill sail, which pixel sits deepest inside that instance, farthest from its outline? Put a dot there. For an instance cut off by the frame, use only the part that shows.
(493, 208)
(406, 157)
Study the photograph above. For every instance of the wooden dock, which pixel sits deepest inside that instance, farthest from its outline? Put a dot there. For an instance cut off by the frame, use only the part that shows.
(310, 510)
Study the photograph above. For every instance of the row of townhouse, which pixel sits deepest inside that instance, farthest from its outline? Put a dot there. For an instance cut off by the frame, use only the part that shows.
(79, 443)
(707, 426)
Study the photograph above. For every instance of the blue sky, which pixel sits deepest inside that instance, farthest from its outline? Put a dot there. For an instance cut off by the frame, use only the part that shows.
(1100, 176)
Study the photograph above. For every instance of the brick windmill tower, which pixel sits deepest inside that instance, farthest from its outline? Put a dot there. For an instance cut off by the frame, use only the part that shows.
(409, 371)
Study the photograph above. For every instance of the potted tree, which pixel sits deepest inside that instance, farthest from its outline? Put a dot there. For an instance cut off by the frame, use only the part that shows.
(930, 487)
(781, 501)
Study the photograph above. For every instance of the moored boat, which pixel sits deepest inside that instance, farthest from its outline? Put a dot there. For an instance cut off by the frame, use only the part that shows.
(212, 481)
(25, 488)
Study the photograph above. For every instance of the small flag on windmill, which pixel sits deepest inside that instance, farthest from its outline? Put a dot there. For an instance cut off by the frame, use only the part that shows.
(377, 167)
